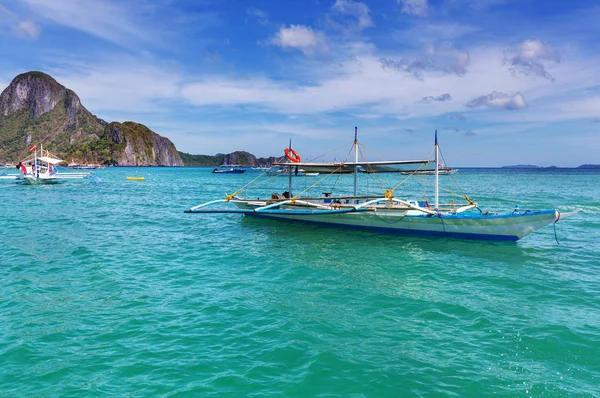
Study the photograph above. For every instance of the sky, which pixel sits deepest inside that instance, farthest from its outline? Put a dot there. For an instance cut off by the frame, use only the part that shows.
(503, 81)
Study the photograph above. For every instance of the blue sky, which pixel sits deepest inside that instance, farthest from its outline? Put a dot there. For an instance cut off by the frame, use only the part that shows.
(503, 81)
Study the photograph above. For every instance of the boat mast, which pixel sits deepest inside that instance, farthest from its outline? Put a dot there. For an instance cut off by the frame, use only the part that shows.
(437, 173)
(355, 157)
(290, 174)
(34, 171)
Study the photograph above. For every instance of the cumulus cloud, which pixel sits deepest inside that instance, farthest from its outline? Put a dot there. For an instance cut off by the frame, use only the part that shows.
(441, 98)
(469, 133)
(299, 37)
(414, 7)
(356, 10)
(499, 100)
(530, 57)
(27, 30)
(459, 117)
(449, 61)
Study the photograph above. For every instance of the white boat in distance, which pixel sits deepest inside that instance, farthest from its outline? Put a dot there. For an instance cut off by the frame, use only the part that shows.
(443, 171)
(283, 172)
(384, 212)
(41, 170)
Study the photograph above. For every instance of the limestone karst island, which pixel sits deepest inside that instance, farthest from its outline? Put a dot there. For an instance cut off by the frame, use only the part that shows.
(36, 109)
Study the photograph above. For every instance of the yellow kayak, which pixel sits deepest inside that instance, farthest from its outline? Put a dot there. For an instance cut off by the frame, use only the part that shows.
(136, 178)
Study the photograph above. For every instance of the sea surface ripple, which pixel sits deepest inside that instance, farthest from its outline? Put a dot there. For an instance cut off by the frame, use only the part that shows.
(109, 289)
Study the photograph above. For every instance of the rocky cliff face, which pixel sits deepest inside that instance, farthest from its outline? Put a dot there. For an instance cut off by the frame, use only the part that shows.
(240, 157)
(35, 92)
(141, 146)
(246, 159)
(36, 109)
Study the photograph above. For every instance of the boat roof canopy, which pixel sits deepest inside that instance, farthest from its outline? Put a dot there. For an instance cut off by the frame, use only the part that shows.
(46, 159)
(388, 166)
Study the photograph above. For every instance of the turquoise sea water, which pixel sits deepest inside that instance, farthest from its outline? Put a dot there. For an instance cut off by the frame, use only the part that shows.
(109, 289)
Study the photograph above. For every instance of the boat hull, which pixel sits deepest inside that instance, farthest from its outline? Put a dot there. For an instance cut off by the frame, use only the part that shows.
(510, 227)
(236, 171)
(40, 180)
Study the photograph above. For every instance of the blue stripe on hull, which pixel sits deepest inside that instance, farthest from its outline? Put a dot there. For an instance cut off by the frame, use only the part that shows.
(398, 231)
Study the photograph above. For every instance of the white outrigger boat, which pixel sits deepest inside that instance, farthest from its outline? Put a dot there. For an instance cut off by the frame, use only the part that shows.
(41, 170)
(384, 212)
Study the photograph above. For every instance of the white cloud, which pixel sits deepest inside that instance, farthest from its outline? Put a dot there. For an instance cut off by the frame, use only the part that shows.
(123, 85)
(360, 85)
(101, 18)
(422, 32)
(583, 107)
(27, 30)
(449, 61)
(24, 29)
(260, 15)
(441, 98)
(355, 9)
(414, 7)
(299, 37)
(529, 57)
(368, 115)
(498, 100)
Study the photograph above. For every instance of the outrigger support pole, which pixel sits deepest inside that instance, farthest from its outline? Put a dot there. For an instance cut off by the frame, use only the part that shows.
(355, 157)
(290, 174)
(437, 173)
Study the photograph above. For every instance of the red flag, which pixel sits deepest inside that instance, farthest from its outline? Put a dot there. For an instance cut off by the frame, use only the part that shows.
(31, 148)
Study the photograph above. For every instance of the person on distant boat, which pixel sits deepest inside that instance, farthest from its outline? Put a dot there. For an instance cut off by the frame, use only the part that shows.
(32, 168)
(22, 167)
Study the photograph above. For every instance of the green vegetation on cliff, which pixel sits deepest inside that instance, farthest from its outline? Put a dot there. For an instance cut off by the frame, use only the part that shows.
(200, 160)
(100, 151)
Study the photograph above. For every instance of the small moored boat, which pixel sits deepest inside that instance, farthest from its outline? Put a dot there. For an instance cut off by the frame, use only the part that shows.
(229, 169)
(41, 170)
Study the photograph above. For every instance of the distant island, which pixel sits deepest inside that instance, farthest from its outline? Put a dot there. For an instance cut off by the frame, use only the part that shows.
(241, 158)
(589, 166)
(532, 166)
